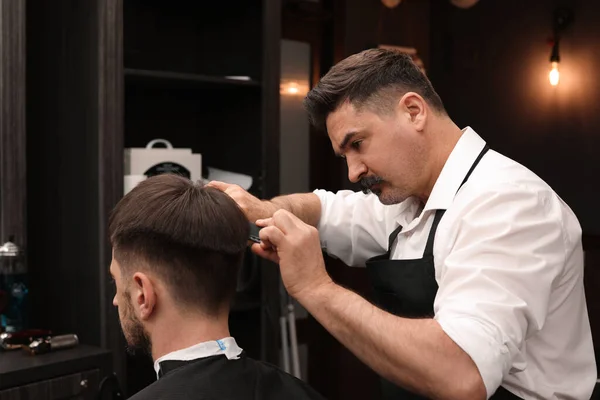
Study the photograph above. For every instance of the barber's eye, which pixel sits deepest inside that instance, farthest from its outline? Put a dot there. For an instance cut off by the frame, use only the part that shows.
(356, 144)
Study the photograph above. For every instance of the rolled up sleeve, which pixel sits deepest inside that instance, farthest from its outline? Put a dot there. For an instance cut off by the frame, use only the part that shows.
(355, 226)
(495, 283)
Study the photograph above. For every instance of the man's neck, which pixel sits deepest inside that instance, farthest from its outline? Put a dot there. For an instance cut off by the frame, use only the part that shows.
(444, 139)
(179, 332)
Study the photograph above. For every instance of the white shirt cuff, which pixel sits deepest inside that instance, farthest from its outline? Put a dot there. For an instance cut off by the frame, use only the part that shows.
(322, 195)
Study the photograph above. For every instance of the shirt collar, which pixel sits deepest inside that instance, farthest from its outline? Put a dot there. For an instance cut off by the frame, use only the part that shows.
(226, 346)
(455, 169)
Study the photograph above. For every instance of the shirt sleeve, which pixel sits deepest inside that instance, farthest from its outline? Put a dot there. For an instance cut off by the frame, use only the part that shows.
(494, 288)
(355, 226)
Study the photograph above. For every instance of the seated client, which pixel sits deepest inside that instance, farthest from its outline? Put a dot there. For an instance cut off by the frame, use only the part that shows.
(177, 249)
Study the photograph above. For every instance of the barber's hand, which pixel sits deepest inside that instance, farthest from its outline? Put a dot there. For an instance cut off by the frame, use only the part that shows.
(253, 207)
(297, 248)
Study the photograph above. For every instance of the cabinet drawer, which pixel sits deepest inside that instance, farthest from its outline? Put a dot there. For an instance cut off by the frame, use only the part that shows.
(80, 386)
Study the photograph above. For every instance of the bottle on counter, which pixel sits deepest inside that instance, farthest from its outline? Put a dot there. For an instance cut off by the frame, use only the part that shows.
(14, 290)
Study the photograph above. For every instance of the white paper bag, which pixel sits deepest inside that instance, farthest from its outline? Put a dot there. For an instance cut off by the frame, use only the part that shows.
(152, 161)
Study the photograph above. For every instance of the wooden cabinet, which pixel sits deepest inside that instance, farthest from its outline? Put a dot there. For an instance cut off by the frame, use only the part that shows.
(104, 75)
(80, 373)
(80, 386)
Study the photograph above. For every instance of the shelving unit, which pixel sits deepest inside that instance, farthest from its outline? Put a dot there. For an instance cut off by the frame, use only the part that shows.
(174, 77)
(177, 61)
(105, 75)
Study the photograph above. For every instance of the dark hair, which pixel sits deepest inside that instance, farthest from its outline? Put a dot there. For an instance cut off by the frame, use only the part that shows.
(192, 237)
(374, 76)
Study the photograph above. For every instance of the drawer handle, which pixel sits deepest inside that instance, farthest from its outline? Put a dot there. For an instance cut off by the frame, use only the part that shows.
(84, 383)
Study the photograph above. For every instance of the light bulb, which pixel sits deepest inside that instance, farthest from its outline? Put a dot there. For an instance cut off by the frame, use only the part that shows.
(554, 75)
(293, 88)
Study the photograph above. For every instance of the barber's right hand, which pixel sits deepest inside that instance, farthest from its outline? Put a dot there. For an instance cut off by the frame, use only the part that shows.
(253, 207)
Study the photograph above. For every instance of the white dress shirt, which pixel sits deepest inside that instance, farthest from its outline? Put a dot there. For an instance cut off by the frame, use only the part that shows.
(508, 262)
(226, 346)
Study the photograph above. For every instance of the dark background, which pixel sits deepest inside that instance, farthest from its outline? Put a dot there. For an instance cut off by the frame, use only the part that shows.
(82, 80)
(490, 65)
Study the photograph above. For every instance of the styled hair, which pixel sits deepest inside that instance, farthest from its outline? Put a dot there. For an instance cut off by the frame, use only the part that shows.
(374, 77)
(192, 237)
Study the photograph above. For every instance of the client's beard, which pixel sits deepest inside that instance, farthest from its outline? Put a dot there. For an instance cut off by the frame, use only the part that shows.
(369, 181)
(138, 339)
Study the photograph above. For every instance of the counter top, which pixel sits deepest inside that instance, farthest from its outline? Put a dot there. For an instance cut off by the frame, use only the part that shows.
(18, 367)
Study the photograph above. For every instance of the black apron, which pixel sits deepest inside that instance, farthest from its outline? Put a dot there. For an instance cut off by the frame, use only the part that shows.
(407, 288)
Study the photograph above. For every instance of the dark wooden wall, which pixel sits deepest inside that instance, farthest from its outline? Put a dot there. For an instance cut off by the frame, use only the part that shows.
(490, 65)
(12, 122)
(74, 165)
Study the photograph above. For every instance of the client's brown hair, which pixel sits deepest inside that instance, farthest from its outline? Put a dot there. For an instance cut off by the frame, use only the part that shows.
(192, 237)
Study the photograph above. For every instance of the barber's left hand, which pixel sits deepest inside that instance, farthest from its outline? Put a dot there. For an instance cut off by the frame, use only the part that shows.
(287, 240)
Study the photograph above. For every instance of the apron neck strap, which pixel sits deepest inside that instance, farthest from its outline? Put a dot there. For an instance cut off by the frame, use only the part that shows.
(393, 236)
(438, 214)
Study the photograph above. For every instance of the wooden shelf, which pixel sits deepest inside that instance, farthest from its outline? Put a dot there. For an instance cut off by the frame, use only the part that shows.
(186, 77)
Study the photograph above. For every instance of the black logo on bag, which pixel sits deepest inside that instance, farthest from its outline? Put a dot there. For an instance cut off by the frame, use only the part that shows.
(168, 168)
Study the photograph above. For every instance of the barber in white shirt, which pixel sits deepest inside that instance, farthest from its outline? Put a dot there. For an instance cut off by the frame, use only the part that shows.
(476, 264)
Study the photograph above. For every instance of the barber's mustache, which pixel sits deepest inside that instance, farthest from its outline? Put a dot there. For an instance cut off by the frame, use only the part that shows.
(369, 181)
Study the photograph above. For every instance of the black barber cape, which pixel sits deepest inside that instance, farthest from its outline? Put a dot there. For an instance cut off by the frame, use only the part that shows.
(216, 377)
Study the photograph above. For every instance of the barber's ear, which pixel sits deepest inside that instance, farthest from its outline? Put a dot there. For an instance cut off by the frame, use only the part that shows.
(413, 106)
(143, 295)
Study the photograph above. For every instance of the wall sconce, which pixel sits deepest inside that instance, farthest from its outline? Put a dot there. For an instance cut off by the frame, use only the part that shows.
(562, 19)
(464, 3)
(457, 3)
(391, 3)
(293, 88)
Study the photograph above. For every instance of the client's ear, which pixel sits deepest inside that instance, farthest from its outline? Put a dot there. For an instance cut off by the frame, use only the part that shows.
(143, 295)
